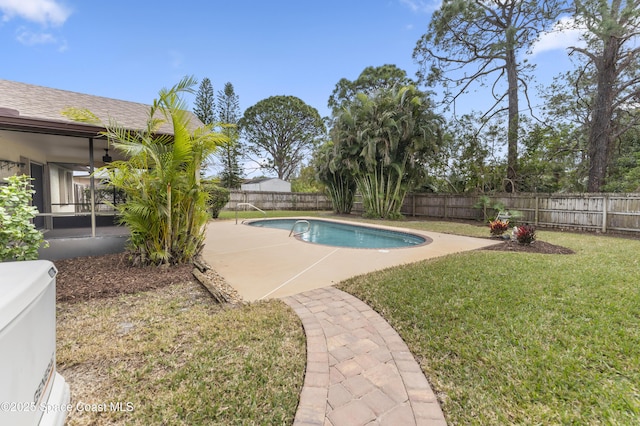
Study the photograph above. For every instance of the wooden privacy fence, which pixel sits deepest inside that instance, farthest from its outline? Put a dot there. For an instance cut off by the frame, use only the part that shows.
(601, 212)
(597, 212)
(279, 200)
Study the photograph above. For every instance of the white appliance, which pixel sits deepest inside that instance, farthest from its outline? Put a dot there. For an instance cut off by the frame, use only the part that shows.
(31, 391)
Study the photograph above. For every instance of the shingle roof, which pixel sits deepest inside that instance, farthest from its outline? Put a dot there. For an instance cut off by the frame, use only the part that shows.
(44, 103)
(258, 180)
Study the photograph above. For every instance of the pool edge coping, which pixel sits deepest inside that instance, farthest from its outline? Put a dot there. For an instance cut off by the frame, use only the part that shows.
(414, 232)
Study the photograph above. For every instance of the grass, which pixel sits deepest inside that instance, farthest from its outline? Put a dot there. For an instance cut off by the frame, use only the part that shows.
(177, 358)
(458, 228)
(518, 338)
(504, 338)
(522, 338)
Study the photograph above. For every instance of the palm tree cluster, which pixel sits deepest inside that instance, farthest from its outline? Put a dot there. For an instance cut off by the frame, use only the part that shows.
(166, 206)
(380, 144)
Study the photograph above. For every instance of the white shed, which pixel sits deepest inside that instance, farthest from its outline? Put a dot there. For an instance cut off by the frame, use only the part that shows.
(267, 185)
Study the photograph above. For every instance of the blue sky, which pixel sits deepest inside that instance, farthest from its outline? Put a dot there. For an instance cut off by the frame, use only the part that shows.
(129, 50)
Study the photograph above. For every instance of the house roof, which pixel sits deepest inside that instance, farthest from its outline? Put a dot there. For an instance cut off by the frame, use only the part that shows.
(259, 180)
(39, 109)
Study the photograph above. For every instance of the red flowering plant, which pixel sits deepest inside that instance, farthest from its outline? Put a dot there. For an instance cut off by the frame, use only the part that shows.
(525, 234)
(498, 227)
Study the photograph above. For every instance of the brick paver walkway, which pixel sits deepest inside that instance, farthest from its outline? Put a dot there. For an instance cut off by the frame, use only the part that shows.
(359, 370)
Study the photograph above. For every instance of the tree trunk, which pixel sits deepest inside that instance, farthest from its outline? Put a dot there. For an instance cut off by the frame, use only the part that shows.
(600, 132)
(512, 132)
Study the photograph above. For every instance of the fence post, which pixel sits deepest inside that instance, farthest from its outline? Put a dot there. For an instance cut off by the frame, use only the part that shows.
(413, 205)
(536, 216)
(604, 213)
(444, 202)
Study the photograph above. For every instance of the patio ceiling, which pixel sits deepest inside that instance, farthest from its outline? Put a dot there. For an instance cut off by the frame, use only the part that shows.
(67, 149)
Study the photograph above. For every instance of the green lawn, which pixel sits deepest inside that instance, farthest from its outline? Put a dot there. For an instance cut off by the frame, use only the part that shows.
(518, 338)
(181, 359)
(504, 338)
(522, 338)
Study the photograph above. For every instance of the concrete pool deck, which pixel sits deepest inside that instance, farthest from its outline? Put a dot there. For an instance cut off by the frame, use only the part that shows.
(266, 263)
(359, 370)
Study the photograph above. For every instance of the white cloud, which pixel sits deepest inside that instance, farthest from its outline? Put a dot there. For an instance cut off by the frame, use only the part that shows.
(422, 6)
(46, 12)
(564, 34)
(30, 38)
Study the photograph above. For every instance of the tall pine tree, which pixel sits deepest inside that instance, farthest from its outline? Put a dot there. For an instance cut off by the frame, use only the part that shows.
(229, 154)
(204, 105)
(205, 102)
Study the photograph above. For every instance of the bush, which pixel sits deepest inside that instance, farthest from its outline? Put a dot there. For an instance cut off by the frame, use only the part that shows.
(498, 227)
(218, 198)
(525, 234)
(165, 208)
(19, 238)
(485, 204)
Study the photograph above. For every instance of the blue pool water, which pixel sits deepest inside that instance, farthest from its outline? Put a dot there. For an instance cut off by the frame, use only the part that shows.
(343, 234)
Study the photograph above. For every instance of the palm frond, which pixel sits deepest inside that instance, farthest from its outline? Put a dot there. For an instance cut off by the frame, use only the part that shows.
(165, 208)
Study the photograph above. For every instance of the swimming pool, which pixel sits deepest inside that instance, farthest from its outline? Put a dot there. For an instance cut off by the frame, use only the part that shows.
(343, 234)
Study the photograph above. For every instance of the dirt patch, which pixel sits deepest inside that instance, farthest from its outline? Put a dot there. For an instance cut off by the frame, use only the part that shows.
(535, 247)
(95, 277)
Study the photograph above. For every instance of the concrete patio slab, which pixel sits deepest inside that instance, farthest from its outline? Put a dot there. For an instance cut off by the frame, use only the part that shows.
(266, 263)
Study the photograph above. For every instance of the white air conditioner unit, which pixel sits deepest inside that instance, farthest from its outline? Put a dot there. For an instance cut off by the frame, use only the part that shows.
(31, 391)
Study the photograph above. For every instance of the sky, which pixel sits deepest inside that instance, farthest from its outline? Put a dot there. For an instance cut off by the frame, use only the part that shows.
(129, 50)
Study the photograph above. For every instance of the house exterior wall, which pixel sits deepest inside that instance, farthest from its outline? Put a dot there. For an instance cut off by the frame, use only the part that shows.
(250, 186)
(36, 139)
(271, 185)
(20, 147)
(276, 185)
(12, 150)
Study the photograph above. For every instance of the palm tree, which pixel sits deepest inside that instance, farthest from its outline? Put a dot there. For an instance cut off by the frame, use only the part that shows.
(335, 174)
(388, 136)
(166, 206)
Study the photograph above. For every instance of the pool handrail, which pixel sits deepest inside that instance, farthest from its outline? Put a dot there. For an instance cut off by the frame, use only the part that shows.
(301, 232)
(248, 205)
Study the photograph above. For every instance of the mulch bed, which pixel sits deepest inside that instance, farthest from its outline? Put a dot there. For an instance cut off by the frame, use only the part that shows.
(535, 247)
(93, 277)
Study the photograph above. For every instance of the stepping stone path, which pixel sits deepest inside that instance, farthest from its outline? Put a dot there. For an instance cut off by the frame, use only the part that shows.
(359, 371)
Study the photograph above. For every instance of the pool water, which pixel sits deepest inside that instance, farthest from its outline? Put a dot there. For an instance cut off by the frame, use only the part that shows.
(342, 234)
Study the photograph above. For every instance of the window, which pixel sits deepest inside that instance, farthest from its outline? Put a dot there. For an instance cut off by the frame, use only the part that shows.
(65, 184)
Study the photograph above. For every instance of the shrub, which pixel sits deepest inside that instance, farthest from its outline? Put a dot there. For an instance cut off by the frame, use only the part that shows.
(218, 198)
(525, 234)
(485, 204)
(165, 207)
(498, 227)
(515, 216)
(19, 238)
